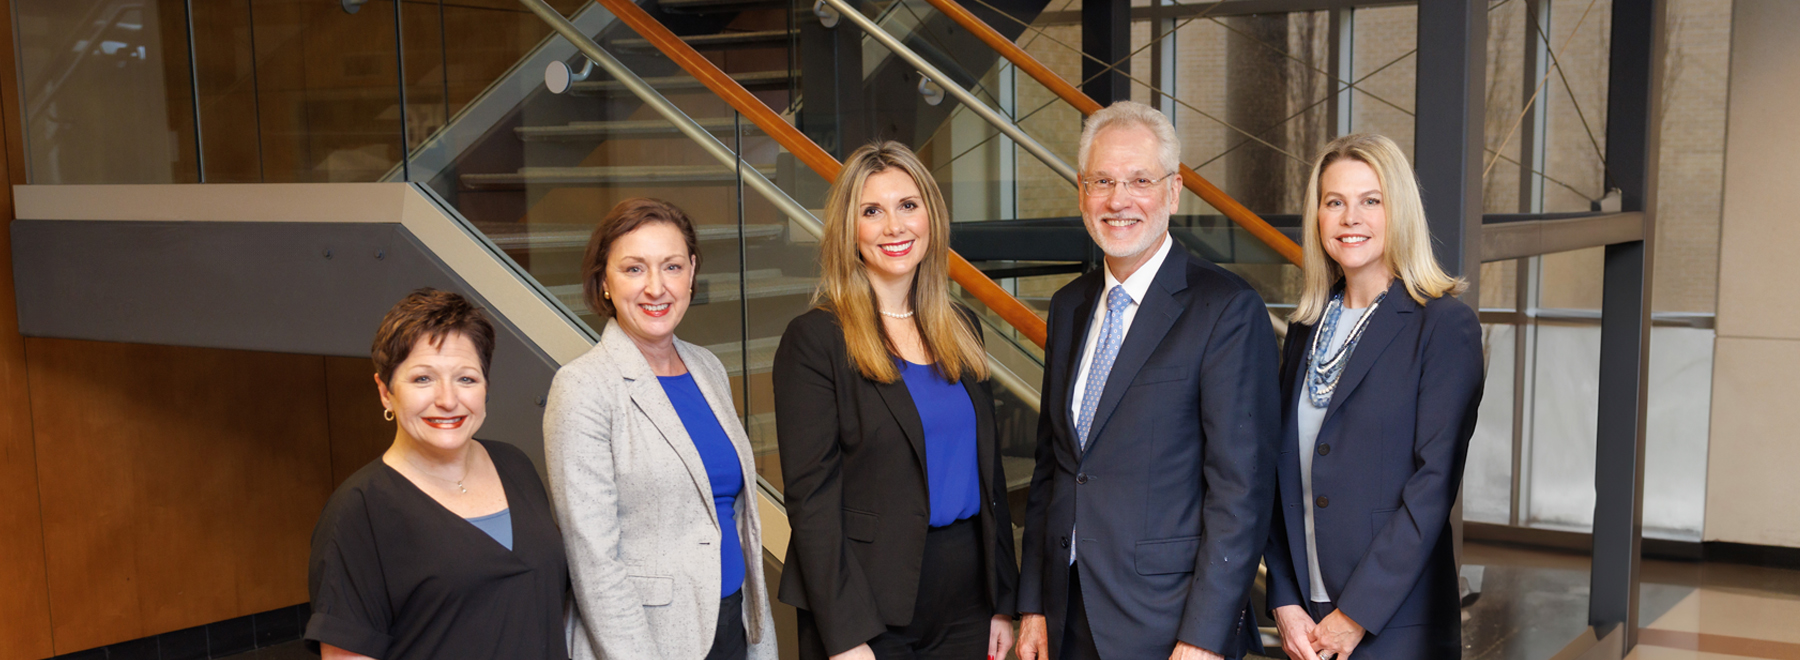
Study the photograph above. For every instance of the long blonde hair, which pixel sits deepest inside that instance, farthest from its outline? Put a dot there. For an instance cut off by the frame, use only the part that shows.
(844, 287)
(1408, 252)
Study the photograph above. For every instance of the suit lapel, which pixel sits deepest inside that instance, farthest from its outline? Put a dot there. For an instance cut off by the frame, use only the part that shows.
(1155, 315)
(1395, 312)
(647, 394)
(984, 432)
(900, 402)
(719, 400)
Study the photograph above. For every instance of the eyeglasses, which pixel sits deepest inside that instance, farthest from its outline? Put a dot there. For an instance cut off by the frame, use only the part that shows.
(1138, 186)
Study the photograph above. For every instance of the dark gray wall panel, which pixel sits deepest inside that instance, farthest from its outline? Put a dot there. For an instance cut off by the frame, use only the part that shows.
(312, 288)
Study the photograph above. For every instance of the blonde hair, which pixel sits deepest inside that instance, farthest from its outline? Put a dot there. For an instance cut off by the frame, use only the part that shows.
(844, 287)
(1408, 251)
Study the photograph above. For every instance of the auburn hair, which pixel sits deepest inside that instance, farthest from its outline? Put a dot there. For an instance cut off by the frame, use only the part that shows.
(626, 217)
(844, 288)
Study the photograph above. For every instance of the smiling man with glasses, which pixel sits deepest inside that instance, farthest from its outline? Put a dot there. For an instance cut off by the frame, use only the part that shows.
(1157, 437)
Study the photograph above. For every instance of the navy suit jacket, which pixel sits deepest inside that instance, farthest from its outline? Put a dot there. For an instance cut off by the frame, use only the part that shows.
(1385, 472)
(1171, 494)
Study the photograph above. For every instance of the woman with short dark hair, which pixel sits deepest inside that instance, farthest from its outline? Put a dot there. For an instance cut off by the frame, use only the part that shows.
(445, 546)
(650, 468)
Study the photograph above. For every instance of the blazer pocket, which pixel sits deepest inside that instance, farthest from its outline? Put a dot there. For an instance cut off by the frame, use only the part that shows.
(1167, 556)
(1379, 520)
(1157, 375)
(860, 525)
(653, 590)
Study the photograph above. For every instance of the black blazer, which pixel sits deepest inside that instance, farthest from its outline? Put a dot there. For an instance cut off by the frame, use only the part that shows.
(853, 458)
(1171, 495)
(1385, 472)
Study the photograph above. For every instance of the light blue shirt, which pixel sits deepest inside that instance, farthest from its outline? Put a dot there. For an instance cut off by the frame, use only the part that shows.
(1311, 419)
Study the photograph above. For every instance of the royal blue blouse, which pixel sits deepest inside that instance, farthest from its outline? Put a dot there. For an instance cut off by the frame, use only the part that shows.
(722, 470)
(952, 470)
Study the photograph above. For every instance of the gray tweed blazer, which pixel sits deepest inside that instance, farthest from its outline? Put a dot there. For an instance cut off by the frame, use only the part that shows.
(637, 511)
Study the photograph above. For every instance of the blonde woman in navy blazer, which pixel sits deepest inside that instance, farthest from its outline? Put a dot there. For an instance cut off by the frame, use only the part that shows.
(1381, 377)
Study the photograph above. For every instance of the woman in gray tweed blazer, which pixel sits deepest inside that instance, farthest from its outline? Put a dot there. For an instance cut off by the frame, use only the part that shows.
(650, 470)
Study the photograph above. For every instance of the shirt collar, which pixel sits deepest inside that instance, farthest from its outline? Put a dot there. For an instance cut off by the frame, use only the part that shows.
(1138, 285)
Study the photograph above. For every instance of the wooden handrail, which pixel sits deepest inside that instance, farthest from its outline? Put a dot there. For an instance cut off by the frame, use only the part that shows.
(977, 283)
(1238, 213)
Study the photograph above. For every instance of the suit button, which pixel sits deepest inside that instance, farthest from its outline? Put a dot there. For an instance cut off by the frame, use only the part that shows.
(1065, 541)
(1081, 478)
(1324, 449)
(1322, 501)
(994, 503)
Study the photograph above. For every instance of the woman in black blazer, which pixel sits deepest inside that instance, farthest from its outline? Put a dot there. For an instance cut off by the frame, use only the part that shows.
(901, 547)
(1381, 378)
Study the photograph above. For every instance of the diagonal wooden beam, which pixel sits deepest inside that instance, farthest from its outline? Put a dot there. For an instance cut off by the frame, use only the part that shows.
(1010, 309)
(1063, 89)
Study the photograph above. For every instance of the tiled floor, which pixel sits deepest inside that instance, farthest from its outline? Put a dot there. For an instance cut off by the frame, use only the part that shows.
(1534, 602)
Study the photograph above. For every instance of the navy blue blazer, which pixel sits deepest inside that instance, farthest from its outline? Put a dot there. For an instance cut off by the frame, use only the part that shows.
(1171, 494)
(1386, 469)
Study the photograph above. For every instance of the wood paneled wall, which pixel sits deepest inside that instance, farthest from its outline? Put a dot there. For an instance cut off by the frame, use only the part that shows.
(24, 596)
(180, 486)
(146, 489)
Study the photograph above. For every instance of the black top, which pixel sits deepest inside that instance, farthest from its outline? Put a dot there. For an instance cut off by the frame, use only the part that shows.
(853, 453)
(396, 575)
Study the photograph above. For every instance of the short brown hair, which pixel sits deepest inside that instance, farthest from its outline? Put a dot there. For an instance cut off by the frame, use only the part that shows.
(433, 315)
(623, 219)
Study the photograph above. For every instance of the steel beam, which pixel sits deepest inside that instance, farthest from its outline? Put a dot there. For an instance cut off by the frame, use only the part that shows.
(1516, 240)
(1447, 133)
(1106, 37)
(1633, 137)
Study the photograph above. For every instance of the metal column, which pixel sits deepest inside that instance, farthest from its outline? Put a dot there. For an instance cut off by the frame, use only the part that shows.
(1342, 62)
(1106, 37)
(1447, 133)
(1632, 138)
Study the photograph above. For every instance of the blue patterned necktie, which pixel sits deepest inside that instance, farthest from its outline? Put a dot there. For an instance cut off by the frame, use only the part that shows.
(1106, 349)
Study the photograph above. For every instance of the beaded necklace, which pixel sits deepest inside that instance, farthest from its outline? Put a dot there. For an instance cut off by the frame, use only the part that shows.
(1324, 370)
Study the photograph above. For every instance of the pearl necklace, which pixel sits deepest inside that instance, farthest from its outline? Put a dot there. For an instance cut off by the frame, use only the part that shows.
(892, 315)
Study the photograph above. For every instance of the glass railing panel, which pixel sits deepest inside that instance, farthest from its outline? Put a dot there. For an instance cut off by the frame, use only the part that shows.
(80, 61)
(781, 273)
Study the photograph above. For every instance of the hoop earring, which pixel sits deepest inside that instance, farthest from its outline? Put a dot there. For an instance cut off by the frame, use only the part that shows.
(387, 414)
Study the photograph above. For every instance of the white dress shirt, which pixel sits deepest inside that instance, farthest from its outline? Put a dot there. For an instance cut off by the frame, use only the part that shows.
(1137, 285)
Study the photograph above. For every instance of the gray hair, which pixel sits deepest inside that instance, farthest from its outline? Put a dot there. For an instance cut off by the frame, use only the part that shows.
(1132, 113)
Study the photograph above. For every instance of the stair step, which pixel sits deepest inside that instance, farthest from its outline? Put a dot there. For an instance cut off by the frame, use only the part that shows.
(513, 238)
(637, 128)
(611, 175)
(753, 81)
(762, 355)
(720, 40)
(762, 283)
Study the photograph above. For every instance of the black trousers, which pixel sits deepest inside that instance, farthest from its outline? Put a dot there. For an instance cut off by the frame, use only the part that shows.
(1078, 636)
(951, 614)
(730, 642)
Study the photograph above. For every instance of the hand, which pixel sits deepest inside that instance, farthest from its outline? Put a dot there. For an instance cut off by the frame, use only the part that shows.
(1338, 634)
(861, 652)
(1034, 637)
(1186, 651)
(1000, 637)
(1296, 628)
